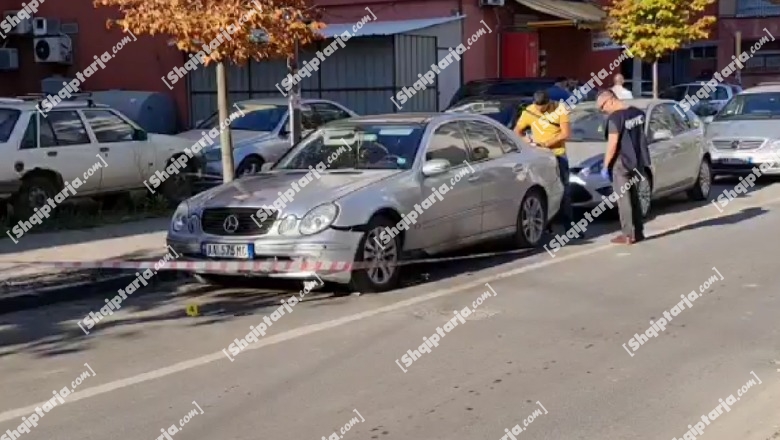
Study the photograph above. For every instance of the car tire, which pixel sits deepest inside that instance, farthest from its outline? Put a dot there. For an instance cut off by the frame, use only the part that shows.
(35, 191)
(249, 165)
(645, 189)
(701, 189)
(179, 187)
(379, 278)
(531, 220)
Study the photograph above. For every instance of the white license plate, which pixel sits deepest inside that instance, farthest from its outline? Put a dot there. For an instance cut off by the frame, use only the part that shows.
(242, 251)
(735, 161)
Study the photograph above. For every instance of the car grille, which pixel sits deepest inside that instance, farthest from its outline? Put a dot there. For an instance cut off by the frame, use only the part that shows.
(213, 221)
(738, 144)
(579, 194)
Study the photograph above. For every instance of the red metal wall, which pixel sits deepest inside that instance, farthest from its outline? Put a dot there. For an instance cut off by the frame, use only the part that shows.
(520, 54)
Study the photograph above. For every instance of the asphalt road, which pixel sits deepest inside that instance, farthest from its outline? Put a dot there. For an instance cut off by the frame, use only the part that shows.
(551, 338)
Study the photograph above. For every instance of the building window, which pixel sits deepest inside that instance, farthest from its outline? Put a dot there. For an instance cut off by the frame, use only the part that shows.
(704, 53)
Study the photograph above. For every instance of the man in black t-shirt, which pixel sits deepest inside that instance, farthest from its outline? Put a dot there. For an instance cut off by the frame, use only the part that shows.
(626, 158)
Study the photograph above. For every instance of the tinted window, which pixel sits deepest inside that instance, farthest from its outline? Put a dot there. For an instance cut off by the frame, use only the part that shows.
(358, 146)
(328, 112)
(676, 93)
(660, 119)
(30, 139)
(507, 143)
(679, 123)
(721, 94)
(483, 140)
(63, 128)
(256, 118)
(752, 106)
(108, 127)
(587, 125)
(448, 143)
(8, 118)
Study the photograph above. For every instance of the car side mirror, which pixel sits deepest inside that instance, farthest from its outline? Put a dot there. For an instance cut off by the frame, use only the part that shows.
(139, 135)
(266, 166)
(283, 133)
(662, 135)
(434, 167)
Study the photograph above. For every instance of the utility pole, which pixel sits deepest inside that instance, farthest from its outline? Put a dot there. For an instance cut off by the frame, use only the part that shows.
(295, 99)
(224, 137)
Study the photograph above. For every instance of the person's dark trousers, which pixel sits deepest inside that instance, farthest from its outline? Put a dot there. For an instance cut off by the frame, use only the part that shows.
(629, 207)
(565, 214)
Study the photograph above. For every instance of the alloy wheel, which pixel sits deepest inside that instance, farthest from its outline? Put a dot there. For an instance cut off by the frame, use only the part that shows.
(381, 259)
(532, 219)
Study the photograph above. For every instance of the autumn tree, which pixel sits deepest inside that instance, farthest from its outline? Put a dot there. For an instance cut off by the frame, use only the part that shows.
(652, 28)
(221, 31)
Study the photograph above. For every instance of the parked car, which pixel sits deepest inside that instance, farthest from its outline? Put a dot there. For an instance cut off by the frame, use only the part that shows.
(394, 162)
(42, 153)
(678, 152)
(261, 135)
(708, 106)
(646, 87)
(503, 109)
(746, 132)
(520, 87)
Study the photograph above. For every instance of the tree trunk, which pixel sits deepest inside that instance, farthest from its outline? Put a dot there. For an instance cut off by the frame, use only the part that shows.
(224, 138)
(655, 79)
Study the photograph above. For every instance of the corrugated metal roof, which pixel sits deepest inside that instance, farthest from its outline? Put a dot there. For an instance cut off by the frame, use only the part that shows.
(568, 10)
(386, 27)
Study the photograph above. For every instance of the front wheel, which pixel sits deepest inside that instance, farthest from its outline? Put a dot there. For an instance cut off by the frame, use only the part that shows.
(701, 190)
(378, 259)
(531, 220)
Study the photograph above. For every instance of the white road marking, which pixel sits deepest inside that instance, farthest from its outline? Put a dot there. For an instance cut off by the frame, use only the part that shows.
(316, 328)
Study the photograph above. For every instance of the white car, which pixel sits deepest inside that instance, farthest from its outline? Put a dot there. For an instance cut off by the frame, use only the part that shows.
(43, 153)
(261, 136)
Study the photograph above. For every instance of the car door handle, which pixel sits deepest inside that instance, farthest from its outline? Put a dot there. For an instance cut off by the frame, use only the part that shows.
(103, 149)
(474, 178)
(518, 168)
(51, 153)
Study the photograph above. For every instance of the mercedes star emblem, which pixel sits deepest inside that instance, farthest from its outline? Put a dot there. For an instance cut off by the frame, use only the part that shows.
(230, 224)
(735, 145)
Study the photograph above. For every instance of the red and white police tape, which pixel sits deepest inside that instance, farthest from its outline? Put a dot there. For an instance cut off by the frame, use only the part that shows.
(233, 266)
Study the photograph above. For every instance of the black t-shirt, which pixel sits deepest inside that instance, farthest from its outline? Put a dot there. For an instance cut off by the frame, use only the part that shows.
(629, 124)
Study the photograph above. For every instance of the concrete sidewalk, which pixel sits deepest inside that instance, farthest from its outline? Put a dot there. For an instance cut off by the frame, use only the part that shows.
(130, 241)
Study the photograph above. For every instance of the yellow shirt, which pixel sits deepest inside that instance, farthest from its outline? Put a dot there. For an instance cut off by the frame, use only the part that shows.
(542, 125)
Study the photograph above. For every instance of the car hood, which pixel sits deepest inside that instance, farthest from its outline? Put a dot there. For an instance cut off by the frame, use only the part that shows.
(584, 154)
(261, 190)
(730, 128)
(237, 135)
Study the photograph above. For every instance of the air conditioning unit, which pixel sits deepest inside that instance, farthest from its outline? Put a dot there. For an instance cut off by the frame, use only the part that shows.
(9, 59)
(24, 25)
(45, 26)
(491, 2)
(53, 50)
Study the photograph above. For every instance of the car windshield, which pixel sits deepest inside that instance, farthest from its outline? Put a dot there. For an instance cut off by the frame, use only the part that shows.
(751, 106)
(503, 113)
(359, 146)
(263, 117)
(587, 125)
(8, 118)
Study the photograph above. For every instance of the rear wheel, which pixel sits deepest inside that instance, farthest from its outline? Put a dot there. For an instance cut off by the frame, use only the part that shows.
(379, 271)
(36, 190)
(701, 190)
(531, 220)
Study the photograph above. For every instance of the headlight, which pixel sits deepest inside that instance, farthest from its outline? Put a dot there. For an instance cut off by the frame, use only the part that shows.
(318, 219)
(288, 224)
(213, 155)
(179, 220)
(593, 169)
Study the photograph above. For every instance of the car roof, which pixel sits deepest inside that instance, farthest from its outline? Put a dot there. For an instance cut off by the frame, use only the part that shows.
(276, 101)
(503, 99)
(763, 88)
(29, 104)
(639, 103)
(392, 118)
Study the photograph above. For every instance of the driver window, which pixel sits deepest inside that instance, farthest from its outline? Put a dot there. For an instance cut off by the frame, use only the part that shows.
(659, 120)
(679, 122)
(483, 140)
(448, 143)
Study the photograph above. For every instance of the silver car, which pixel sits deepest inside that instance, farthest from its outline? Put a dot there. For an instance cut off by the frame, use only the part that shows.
(746, 132)
(375, 171)
(261, 136)
(678, 152)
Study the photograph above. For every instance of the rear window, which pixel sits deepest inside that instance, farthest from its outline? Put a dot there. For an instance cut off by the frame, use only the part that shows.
(8, 118)
(503, 113)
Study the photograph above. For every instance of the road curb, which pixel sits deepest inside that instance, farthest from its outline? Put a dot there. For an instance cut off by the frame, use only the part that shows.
(44, 296)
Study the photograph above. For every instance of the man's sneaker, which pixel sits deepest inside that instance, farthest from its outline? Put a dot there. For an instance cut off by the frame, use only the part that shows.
(622, 239)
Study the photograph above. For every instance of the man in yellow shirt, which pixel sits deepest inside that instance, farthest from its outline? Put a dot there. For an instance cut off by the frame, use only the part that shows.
(549, 124)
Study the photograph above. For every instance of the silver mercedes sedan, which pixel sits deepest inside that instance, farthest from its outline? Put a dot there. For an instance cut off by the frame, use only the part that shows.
(375, 190)
(746, 132)
(678, 152)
